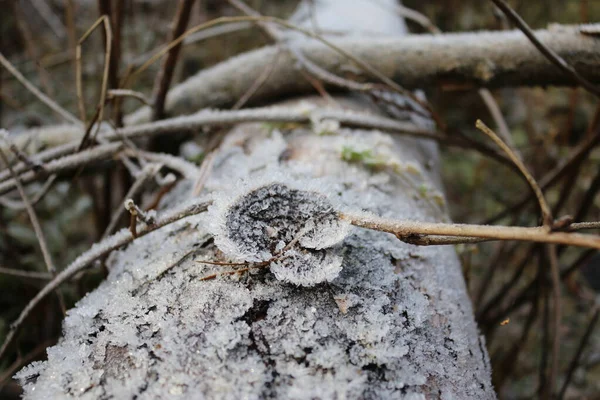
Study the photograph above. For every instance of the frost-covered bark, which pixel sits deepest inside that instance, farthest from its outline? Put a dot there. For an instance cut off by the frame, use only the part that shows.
(395, 321)
(339, 312)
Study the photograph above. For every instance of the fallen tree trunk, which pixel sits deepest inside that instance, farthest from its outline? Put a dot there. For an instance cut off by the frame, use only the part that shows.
(393, 319)
(321, 310)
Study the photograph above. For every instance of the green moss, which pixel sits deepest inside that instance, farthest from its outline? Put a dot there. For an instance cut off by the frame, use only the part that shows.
(364, 157)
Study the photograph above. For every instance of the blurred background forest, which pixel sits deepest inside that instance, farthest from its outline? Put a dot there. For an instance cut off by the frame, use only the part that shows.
(507, 282)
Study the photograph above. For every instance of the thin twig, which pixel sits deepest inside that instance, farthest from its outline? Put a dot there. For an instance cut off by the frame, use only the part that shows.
(26, 274)
(140, 180)
(66, 163)
(39, 195)
(545, 50)
(115, 93)
(556, 317)
(165, 74)
(105, 76)
(204, 173)
(575, 361)
(35, 223)
(67, 116)
(575, 157)
(405, 229)
(544, 207)
(577, 226)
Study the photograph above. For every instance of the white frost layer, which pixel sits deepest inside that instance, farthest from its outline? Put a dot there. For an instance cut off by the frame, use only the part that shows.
(396, 322)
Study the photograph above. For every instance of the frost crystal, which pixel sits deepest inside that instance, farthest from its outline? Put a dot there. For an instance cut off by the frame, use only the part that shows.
(294, 227)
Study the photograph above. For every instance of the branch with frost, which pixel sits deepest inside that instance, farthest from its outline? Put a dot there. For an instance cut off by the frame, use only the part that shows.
(209, 118)
(475, 59)
(97, 251)
(66, 163)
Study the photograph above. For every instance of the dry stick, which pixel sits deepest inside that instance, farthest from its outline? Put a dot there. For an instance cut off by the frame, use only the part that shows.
(436, 240)
(26, 274)
(19, 205)
(204, 173)
(525, 295)
(498, 118)
(165, 74)
(576, 156)
(576, 226)
(67, 116)
(556, 316)
(257, 83)
(66, 163)
(39, 233)
(185, 168)
(545, 209)
(360, 63)
(503, 368)
(502, 292)
(485, 94)
(545, 50)
(116, 93)
(589, 197)
(107, 56)
(97, 251)
(141, 179)
(31, 47)
(579, 352)
(325, 75)
(218, 117)
(405, 229)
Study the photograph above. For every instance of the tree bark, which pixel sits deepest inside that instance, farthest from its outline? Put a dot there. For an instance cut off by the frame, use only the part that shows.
(362, 315)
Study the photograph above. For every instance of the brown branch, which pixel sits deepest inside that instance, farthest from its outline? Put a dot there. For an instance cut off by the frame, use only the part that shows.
(545, 209)
(556, 317)
(490, 59)
(67, 116)
(165, 75)
(575, 361)
(404, 229)
(576, 156)
(35, 223)
(545, 50)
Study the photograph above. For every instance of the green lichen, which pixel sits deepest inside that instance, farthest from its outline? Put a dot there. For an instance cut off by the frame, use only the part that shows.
(363, 157)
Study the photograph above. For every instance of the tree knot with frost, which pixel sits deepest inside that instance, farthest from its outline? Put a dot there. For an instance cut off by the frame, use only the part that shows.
(292, 226)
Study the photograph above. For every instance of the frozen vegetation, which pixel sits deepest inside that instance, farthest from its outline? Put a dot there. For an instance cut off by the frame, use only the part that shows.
(338, 313)
(343, 313)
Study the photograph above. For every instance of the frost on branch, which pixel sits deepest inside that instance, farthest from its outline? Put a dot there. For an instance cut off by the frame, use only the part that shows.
(294, 228)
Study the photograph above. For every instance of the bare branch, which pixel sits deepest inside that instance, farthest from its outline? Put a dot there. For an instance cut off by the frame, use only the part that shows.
(409, 229)
(544, 207)
(64, 164)
(67, 116)
(165, 75)
(545, 50)
(489, 59)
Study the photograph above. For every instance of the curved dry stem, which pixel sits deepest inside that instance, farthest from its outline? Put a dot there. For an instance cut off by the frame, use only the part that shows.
(81, 102)
(544, 207)
(37, 93)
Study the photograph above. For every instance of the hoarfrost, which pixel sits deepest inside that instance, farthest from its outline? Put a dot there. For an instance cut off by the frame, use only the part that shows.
(389, 320)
